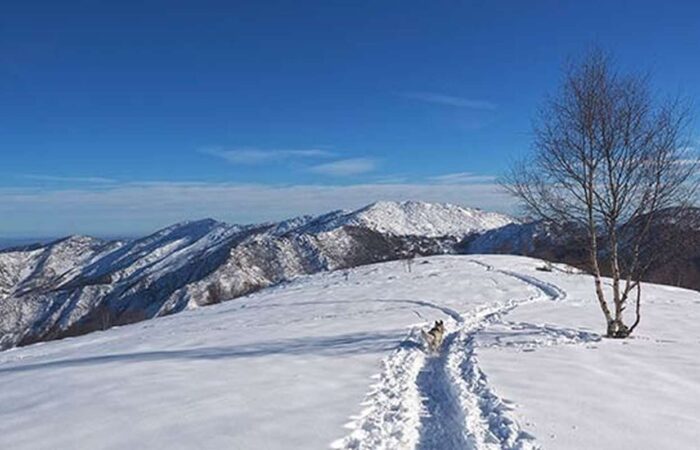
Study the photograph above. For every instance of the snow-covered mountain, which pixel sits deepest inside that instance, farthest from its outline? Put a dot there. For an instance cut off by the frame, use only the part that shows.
(81, 284)
(335, 360)
(416, 219)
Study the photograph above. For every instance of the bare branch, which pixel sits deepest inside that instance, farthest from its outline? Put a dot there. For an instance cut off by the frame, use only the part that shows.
(607, 154)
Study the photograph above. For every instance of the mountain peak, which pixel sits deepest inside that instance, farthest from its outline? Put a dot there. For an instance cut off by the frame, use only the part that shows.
(427, 219)
(207, 222)
(410, 218)
(72, 239)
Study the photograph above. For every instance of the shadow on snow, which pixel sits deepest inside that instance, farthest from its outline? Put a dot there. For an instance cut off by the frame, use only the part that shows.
(344, 344)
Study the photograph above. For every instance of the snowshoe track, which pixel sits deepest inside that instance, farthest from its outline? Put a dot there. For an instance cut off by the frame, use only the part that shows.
(390, 419)
(442, 417)
(443, 401)
(550, 290)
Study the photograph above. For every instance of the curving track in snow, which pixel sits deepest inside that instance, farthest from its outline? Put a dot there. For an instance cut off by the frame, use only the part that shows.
(444, 401)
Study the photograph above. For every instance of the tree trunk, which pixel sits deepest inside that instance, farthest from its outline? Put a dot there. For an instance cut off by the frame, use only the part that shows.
(599, 283)
(615, 274)
(638, 315)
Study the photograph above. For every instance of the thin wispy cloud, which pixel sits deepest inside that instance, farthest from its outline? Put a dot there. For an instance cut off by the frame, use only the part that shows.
(67, 179)
(392, 179)
(450, 100)
(253, 156)
(133, 209)
(346, 167)
(462, 178)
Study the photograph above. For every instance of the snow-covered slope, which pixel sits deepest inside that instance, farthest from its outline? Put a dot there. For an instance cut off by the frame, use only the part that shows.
(45, 266)
(334, 360)
(419, 218)
(81, 284)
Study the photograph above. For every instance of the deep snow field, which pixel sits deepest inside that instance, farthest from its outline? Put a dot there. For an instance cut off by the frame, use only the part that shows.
(334, 360)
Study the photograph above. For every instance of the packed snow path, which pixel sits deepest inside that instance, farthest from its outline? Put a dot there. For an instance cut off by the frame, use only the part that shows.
(442, 421)
(456, 408)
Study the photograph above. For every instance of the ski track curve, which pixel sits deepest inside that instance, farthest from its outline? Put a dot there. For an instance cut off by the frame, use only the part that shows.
(549, 289)
(443, 401)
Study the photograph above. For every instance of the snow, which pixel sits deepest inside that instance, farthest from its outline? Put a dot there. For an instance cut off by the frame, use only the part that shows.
(79, 283)
(637, 393)
(24, 270)
(334, 360)
(412, 218)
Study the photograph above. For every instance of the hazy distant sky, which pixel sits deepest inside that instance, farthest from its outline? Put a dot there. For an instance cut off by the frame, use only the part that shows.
(120, 117)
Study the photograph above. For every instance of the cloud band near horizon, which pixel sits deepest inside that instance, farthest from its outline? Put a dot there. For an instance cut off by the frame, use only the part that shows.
(139, 208)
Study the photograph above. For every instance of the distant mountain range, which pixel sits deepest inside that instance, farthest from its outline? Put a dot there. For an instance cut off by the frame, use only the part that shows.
(81, 284)
(671, 250)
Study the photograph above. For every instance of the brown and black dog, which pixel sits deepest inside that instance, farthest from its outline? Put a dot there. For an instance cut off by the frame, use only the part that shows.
(435, 336)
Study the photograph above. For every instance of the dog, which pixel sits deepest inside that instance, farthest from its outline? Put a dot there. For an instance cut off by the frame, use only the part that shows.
(434, 337)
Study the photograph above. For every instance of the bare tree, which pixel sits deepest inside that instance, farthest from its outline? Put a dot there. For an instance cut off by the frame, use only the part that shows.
(607, 153)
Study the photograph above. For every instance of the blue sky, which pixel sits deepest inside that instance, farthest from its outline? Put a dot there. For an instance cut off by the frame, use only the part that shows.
(120, 117)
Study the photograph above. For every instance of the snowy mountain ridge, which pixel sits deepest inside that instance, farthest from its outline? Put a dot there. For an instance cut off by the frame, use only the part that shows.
(417, 218)
(407, 218)
(81, 284)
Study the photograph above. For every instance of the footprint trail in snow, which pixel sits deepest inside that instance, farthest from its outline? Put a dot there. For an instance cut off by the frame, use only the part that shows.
(443, 401)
